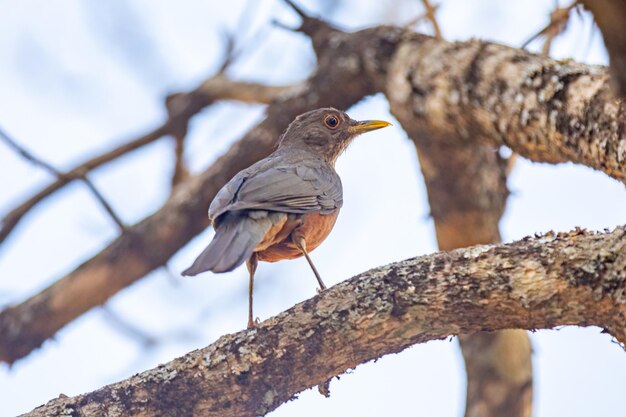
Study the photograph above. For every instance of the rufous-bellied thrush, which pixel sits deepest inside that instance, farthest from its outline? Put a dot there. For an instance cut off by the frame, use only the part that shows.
(285, 205)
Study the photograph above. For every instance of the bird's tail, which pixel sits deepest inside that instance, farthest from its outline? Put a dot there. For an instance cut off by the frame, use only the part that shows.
(235, 238)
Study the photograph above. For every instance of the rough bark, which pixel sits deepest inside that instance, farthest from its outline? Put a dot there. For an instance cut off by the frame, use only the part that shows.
(575, 278)
(610, 16)
(545, 110)
(351, 66)
(149, 244)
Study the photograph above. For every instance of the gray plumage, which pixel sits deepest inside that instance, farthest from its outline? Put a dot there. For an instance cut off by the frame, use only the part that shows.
(293, 181)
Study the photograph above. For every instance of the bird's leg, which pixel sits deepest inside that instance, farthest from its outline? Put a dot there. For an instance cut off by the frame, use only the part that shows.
(300, 242)
(251, 265)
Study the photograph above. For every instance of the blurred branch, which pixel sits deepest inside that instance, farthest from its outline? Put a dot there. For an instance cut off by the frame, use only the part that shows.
(62, 176)
(180, 169)
(558, 23)
(499, 373)
(610, 16)
(181, 107)
(575, 278)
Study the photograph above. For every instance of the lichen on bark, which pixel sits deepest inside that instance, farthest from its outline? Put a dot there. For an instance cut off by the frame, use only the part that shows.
(576, 278)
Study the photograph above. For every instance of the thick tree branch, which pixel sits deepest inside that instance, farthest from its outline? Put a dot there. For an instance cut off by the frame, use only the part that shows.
(149, 244)
(545, 110)
(575, 278)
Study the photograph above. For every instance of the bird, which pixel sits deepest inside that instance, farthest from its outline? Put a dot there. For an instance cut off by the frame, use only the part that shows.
(285, 205)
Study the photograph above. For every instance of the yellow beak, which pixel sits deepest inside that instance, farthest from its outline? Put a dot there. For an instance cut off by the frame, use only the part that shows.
(368, 125)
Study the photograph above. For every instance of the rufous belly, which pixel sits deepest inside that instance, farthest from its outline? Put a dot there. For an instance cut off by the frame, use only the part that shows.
(277, 245)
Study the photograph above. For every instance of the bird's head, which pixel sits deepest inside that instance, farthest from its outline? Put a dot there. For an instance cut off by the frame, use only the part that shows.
(326, 132)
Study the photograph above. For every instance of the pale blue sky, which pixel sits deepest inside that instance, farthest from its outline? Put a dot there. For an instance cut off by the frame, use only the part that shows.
(79, 77)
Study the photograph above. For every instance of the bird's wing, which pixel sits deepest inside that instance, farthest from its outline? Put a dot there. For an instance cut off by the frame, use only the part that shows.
(302, 188)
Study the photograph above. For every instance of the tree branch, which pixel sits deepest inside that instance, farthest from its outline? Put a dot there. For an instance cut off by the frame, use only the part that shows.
(575, 278)
(545, 110)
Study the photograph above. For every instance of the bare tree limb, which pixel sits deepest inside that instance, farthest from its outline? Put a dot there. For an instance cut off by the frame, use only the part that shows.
(575, 278)
(499, 369)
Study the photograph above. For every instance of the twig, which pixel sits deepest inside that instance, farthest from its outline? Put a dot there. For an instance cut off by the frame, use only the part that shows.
(297, 9)
(310, 25)
(181, 171)
(229, 54)
(429, 13)
(62, 176)
(243, 25)
(558, 22)
(104, 203)
(180, 168)
(283, 26)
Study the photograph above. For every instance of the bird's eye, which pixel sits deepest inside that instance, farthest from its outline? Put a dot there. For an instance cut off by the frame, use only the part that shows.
(331, 121)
